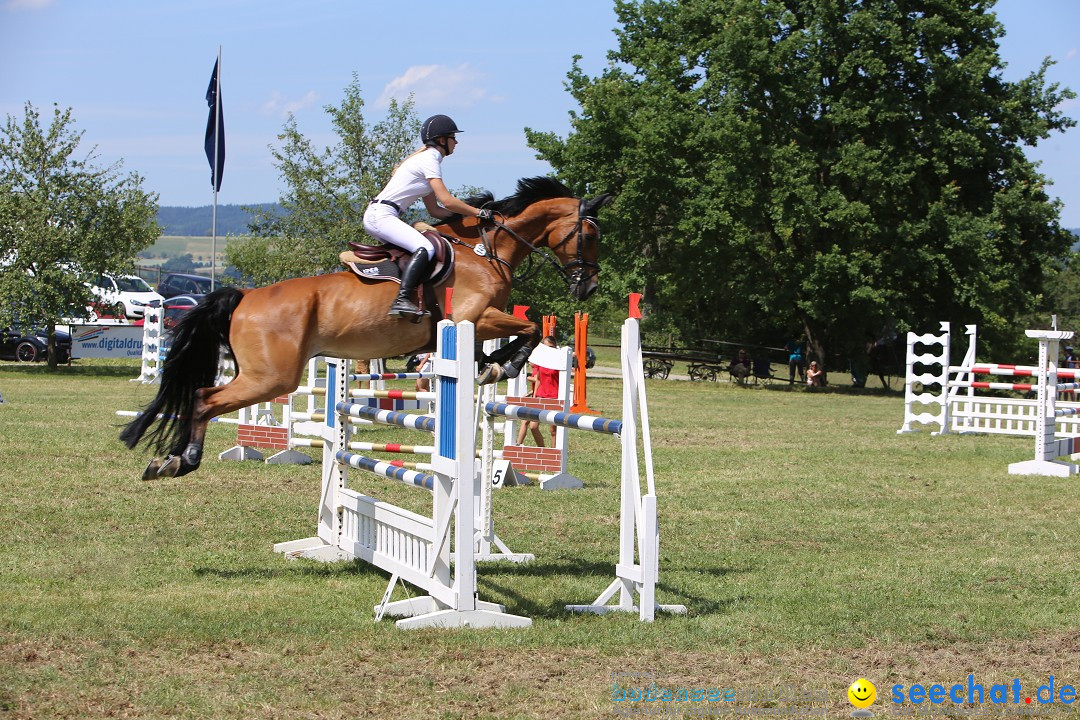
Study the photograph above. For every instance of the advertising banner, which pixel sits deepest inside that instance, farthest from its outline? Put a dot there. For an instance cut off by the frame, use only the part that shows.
(106, 341)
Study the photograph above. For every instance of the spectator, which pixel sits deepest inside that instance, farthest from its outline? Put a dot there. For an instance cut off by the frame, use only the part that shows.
(879, 352)
(813, 375)
(1071, 361)
(741, 366)
(423, 364)
(794, 348)
(543, 383)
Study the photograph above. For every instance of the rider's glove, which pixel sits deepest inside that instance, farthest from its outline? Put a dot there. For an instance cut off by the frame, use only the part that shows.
(484, 214)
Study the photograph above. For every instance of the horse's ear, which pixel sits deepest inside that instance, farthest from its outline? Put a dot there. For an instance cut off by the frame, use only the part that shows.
(591, 207)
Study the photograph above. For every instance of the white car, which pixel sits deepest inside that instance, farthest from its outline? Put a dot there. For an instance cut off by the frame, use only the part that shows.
(131, 291)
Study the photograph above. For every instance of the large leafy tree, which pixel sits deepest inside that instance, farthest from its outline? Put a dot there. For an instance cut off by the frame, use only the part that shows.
(63, 220)
(831, 167)
(326, 191)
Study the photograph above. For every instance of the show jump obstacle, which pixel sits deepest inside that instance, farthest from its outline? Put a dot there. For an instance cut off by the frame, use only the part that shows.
(418, 549)
(409, 546)
(946, 398)
(1047, 445)
(1054, 424)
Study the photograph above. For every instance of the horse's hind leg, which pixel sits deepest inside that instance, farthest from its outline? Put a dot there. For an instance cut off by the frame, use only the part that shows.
(210, 403)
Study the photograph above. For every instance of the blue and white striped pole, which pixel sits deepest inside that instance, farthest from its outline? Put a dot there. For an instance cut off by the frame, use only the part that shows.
(381, 467)
(554, 417)
(387, 417)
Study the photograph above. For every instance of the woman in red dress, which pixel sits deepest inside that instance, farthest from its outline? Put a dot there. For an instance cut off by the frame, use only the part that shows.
(543, 383)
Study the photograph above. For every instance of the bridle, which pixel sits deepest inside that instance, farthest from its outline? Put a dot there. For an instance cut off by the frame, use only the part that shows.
(572, 271)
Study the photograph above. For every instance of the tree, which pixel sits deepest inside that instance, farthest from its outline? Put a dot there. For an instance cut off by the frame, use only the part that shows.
(830, 166)
(181, 263)
(63, 220)
(1062, 297)
(326, 191)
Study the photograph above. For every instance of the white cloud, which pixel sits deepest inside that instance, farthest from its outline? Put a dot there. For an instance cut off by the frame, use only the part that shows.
(437, 86)
(27, 4)
(278, 104)
(1071, 54)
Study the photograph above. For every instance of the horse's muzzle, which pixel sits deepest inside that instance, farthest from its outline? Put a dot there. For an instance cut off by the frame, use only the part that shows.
(582, 288)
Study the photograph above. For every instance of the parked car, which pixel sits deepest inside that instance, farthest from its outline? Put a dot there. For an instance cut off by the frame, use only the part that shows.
(33, 345)
(129, 292)
(175, 284)
(177, 306)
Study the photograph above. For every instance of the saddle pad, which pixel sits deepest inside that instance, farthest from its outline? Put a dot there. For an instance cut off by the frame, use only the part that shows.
(383, 270)
(388, 269)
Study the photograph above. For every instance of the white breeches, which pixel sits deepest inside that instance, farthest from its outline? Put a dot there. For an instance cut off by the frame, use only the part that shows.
(381, 221)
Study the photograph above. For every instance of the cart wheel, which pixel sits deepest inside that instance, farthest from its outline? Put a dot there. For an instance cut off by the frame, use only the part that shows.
(656, 369)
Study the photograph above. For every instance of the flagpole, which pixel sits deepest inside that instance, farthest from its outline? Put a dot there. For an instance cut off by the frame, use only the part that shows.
(217, 180)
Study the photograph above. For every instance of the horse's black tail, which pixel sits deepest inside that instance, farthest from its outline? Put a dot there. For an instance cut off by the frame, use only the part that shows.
(192, 363)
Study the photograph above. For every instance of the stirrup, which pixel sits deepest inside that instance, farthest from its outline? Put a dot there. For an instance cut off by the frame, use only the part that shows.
(404, 306)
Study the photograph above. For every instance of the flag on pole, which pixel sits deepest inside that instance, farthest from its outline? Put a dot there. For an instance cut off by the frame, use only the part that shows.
(215, 131)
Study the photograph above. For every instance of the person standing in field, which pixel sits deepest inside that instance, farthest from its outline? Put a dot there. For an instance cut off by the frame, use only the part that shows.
(543, 383)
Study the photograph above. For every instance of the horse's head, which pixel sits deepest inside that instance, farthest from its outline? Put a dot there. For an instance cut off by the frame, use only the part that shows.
(575, 240)
(545, 213)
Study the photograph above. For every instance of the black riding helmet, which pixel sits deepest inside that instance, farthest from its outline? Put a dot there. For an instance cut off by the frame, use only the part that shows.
(437, 126)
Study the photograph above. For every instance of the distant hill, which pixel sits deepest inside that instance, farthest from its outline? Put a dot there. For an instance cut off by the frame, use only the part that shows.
(198, 221)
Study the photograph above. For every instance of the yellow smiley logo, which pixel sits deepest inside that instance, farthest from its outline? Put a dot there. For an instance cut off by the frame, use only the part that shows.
(862, 693)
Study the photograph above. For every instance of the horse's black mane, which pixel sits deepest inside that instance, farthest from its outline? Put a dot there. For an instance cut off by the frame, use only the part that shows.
(529, 190)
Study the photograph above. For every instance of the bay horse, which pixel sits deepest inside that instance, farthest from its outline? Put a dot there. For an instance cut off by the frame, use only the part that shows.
(272, 331)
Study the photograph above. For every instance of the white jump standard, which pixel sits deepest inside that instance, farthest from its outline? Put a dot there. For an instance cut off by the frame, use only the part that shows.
(638, 568)
(1047, 445)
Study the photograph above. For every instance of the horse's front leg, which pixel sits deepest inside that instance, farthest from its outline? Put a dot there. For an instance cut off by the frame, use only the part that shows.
(508, 361)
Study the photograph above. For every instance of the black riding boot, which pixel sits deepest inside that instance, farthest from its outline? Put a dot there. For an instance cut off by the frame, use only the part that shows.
(414, 273)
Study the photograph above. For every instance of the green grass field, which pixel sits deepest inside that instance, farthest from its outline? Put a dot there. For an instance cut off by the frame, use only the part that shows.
(811, 544)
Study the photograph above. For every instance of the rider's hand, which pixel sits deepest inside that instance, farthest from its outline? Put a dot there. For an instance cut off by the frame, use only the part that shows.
(484, 214)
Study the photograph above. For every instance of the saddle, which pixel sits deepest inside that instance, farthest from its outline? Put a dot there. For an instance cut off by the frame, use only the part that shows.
(381, 262)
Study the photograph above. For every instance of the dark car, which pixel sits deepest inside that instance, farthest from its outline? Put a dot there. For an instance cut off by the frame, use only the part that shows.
(34, 345)
(177, 306)
(175, 284)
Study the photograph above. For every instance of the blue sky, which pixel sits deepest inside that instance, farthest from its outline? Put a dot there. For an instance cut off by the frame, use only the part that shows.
(135, 72)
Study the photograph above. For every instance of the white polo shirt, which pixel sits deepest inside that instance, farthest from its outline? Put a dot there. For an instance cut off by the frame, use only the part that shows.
(411, 181)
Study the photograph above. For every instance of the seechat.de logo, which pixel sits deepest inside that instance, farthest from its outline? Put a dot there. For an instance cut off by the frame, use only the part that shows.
(862, 694)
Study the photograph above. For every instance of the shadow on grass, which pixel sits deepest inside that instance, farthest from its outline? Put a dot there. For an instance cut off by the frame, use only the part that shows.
(75, 371)
(518, 604)
(601, 574)
(494, 578)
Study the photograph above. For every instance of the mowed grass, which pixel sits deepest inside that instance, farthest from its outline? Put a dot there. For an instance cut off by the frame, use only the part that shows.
(811, 544)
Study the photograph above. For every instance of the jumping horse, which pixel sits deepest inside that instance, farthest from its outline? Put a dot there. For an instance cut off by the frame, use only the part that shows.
(272, 331)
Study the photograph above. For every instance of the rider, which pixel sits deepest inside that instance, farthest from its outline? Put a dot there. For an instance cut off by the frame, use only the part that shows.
(418, 176)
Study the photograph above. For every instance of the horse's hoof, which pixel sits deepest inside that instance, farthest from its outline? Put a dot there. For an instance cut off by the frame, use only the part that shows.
(169, 467)
(492, 373)
(151, 471)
